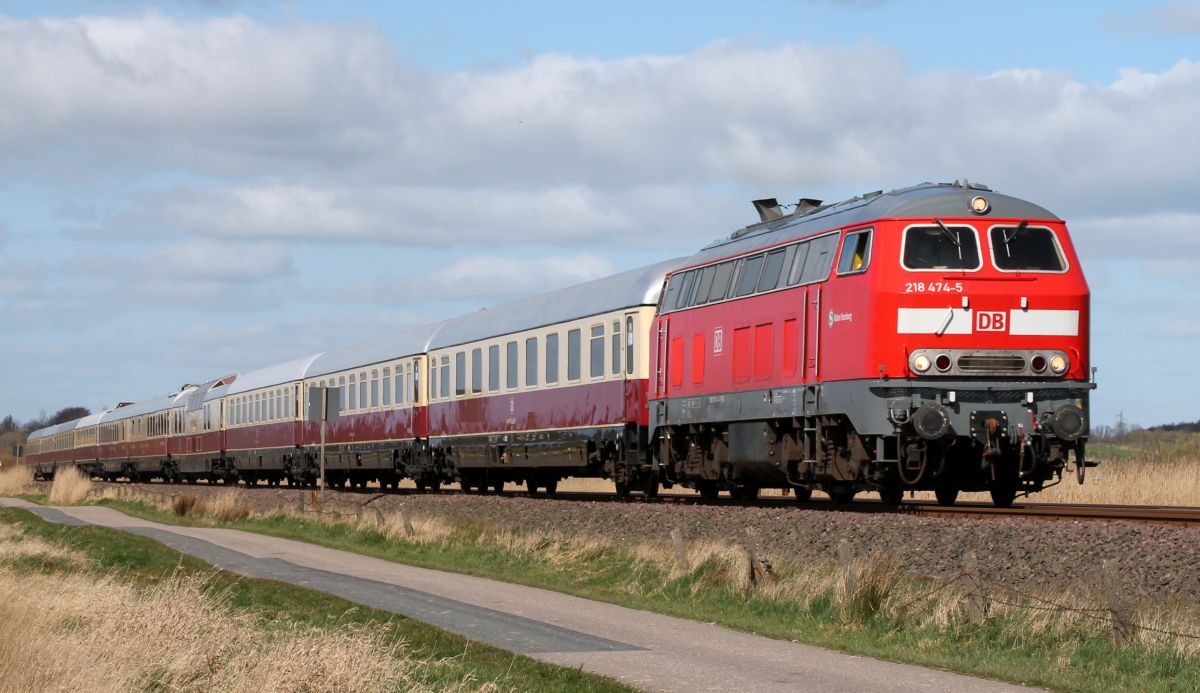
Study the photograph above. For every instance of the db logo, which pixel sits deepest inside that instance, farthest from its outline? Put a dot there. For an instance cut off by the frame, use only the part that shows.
(990, 322)
(718, 340)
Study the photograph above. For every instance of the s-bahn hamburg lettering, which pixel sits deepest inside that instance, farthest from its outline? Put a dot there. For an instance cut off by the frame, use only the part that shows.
(890, 342)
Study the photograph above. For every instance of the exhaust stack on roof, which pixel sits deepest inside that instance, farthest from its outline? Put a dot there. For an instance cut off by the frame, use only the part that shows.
(768, 209)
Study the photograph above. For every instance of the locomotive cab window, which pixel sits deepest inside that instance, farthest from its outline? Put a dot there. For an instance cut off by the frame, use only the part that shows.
(776, 260)
(1024, 248)
(940, 247)
(856, 252)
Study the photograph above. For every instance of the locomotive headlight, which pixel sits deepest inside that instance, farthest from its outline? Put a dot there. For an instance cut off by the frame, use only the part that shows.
(1058, 364)
(980, 204)
(921, 363)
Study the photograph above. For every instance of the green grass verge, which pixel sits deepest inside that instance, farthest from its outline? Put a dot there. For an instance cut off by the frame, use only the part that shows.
(1076, 658)
(276, 604)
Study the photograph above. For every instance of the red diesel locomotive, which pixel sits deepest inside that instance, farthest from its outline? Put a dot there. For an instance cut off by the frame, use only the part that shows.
(933, 337)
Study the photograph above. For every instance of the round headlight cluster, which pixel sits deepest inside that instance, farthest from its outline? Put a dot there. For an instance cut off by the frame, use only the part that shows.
(943, 362)
(1059, 364)
(921, 363)
(1038, 363)
(980, 204)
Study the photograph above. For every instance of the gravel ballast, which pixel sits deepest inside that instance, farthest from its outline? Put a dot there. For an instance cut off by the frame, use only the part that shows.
(1154, 562)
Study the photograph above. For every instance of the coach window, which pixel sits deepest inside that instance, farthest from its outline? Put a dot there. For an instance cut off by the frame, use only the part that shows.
(856, 252)
(387, 386)
(477, 371)
(510, 371)
(748, 279)
(531, 361)
(271, 406)
(374, 388)
(433, 380)
(494, 368)
(353, 404)
(776, 261)
(445, 386)
(616, 347)
(399, 399)
(362, 390)
(574, 353)
(629, 345)
(460, 373)
(552, 358)
(287, 403)
(596, 352)
(1026, 249)
(342, 392)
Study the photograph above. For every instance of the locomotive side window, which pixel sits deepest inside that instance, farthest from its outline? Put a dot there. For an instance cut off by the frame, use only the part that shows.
(720, 283)
(771, 270)
(798, 264)
(1026, 249)
(940, 248)
(685, 290)
(819, 260)
(748, 278)
(856, 253)
(574, 353)
(703, 286)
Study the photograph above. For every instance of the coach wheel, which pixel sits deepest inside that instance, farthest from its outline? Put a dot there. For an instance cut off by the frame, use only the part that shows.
(551, 487)
(803, 494)
(498, 486)
(745, 493)
(708, 490)
(622, 489)
(435, 486)
(1080, 470)
(946, 494)
(891, 495)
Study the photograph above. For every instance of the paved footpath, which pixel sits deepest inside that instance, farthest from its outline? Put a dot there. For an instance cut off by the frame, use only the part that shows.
(645, 650)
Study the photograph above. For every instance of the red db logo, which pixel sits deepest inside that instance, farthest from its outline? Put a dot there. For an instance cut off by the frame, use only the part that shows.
(990, 322)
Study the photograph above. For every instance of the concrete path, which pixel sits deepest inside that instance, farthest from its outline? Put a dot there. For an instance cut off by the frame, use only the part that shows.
(646, 650)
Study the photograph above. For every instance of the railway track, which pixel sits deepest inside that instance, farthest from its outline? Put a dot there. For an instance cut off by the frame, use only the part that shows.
(1167, 515)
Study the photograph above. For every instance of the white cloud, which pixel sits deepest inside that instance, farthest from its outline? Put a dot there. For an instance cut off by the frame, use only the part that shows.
(190, 261)
(1176, 18)
(486, 279)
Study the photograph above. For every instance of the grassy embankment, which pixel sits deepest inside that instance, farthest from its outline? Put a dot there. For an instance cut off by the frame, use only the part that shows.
(87, 608)
(876, 613)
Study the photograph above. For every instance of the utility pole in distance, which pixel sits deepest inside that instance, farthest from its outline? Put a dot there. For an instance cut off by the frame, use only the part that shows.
(323, 405)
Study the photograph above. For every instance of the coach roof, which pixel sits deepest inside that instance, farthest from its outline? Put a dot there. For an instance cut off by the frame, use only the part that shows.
(278, 374)
(637, 287)
(407, 343)
(924, 201)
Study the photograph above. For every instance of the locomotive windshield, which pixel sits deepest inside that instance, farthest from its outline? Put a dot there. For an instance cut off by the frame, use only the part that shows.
(941, 247)
(1026, 249)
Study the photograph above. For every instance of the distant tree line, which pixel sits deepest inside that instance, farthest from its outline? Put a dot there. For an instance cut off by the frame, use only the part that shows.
(9, 423)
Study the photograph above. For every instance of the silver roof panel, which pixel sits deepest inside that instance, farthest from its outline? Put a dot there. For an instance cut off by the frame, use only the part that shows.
(278, 374)
(637, 287)
(407, 343)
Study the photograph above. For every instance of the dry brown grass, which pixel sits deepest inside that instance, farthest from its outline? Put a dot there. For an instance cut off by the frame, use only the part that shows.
(70, 486)
(183, 505)
(15, 479)
(85, 631)
(225, 507)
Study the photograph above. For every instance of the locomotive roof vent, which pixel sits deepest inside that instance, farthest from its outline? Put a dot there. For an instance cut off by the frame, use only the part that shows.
(806, 205)
(768, 209)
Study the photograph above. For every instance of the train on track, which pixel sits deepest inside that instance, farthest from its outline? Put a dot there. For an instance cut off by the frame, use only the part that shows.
(929, 338)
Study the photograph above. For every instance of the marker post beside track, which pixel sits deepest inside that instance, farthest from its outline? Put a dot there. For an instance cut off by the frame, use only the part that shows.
(324, 405)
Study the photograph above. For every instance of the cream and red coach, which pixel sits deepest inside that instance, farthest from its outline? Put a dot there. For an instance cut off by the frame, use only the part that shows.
(934, 337)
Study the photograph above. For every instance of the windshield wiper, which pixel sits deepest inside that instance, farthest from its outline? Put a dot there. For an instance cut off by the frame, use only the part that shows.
(953, 238)
(1006, 236)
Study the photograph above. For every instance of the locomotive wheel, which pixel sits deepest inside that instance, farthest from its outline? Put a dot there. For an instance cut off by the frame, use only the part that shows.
(708, 490)
(650, 486)
(1080, 470)
(946, 494)
(891, 495)
(841, 497)
(803, 494)
(435, 486)
(745, 493)
(1003, 494)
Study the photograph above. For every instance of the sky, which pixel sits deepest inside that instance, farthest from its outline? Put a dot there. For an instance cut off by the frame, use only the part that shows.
(196, 188)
